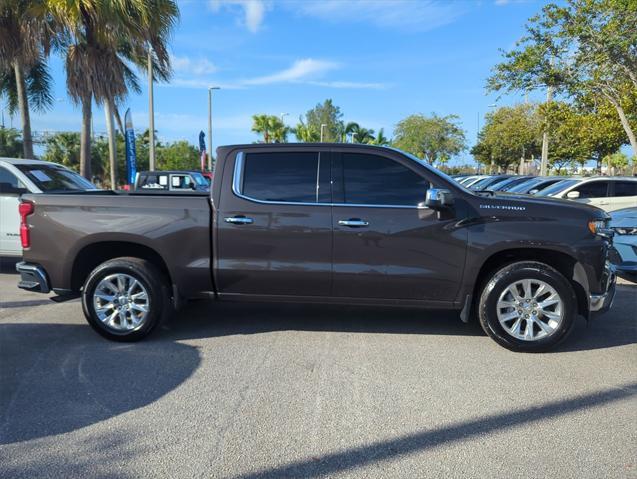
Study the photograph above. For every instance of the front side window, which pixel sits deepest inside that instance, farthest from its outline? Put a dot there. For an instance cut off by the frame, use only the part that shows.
(49, 178)
(284, 177)
(592, 189)
(376, 180)
(625, 188)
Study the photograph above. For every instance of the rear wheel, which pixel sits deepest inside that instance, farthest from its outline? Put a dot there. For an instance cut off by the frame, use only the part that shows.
(123, 298)
(527, 306)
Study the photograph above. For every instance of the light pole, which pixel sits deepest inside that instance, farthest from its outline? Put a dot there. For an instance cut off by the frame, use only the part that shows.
(323, 126)
(151, 114)
(283, 115)
(210, 125)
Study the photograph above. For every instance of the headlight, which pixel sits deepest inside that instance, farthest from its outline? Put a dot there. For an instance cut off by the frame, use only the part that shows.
(600, 228)
(625, 230)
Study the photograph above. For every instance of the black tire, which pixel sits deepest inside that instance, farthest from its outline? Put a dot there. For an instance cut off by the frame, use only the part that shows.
(150, 277)
(508, 275)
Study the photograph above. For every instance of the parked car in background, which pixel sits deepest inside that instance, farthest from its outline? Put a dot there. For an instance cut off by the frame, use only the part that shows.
(485, 183)
(535, 184)
(624, 224)
(505, 185)
(609, 193)
(29, 176)
(172, 181)
(470, 180)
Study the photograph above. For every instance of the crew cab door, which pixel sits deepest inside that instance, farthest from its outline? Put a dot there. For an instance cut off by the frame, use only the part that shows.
(385, 245)
(274, 224)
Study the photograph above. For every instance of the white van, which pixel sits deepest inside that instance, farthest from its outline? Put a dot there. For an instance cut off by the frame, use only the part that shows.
(609, 193)
(29, 176)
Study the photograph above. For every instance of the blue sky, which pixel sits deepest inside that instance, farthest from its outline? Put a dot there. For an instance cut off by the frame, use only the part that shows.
(379, 60)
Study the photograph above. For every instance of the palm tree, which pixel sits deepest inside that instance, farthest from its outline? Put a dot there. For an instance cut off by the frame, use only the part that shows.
(37, 86)
(23, 43)
(306, 133)
(361, 135)
(381, 139)
(261, 125)
(348, 129)
(271, 127)
(100, 39)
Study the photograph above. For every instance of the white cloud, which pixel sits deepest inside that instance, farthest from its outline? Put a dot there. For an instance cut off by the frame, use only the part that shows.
(307, 71)
(299, 71)
(253, 11)
(407, 15)
(198, 67)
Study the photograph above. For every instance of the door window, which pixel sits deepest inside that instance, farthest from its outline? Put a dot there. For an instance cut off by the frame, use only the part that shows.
(284, 177)
(625, 188)
(592, 189)
(8, 177)
(376, 180)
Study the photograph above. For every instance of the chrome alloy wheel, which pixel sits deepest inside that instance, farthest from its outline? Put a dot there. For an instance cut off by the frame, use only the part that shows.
(121, 302)
(530, 309)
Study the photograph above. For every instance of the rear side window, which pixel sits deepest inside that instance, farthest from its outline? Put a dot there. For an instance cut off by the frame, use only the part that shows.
(52, 179)
(625, 188)
(592, 189)
(376, 180)
(286, 176)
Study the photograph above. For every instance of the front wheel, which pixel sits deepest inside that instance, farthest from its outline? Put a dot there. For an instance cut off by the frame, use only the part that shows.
(123, 298)
(527, 306)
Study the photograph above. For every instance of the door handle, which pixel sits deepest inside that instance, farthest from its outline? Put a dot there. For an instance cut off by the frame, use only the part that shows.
(353, 223)
(239, 220)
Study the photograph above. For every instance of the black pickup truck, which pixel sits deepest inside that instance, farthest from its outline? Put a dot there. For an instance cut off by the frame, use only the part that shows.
(324, 223)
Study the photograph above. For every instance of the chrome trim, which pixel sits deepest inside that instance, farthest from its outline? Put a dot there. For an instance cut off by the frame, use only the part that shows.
(239, 220)
(353, 223)
(237, 188)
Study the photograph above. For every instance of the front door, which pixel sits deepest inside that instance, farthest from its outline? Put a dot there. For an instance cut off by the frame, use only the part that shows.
(385, 245)
(274, 225)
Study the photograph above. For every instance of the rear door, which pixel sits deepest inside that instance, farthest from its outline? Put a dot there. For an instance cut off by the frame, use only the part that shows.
(623, 195)
(386, 246)
(274, 223)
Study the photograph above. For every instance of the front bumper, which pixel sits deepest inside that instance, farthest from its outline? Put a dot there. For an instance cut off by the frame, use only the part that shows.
(33, 278)
(600, 303)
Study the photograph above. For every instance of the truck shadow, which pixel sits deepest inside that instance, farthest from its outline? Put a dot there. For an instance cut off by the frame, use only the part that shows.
(209, 319)
(58, 378)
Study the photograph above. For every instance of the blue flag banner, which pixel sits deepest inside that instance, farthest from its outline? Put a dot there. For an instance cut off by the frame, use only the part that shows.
(131, 154)
(202, 149)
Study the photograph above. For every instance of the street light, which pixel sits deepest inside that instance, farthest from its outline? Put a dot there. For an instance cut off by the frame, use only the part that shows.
(283, 115)
(323, 126)
(210, 125)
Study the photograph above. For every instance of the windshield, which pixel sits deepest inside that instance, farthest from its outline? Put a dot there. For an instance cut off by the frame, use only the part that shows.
(526, 185)
(200, 179)
(50, 178)
(556, 188)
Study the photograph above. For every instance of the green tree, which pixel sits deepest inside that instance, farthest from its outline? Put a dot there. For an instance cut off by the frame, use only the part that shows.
(23, 44)
(100, 40)
(380, 139)
(617, 162)
(362, 135)
(179, 155)
(327, 114)
(271, 127)
(10, 143)
(64, 148)
(585, 47)
(306, 133)
(435, 139)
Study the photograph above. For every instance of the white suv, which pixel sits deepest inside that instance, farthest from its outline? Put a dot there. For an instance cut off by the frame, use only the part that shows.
(609, 193)
(29, 176)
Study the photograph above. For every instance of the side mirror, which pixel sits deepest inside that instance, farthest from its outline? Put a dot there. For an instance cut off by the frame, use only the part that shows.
(572, 195)
(438, 198)
(9, 189)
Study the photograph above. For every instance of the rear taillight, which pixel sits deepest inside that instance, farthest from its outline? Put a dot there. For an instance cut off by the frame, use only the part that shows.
(25, 209)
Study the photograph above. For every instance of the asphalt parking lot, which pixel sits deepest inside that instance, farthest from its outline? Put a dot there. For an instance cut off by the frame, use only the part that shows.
(251, 391)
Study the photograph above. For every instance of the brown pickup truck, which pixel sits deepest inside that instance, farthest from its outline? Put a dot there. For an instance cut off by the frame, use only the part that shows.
(323, 223)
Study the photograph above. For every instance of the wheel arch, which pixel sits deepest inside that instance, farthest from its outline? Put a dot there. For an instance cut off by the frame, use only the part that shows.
(94, 254)
(564, 263)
